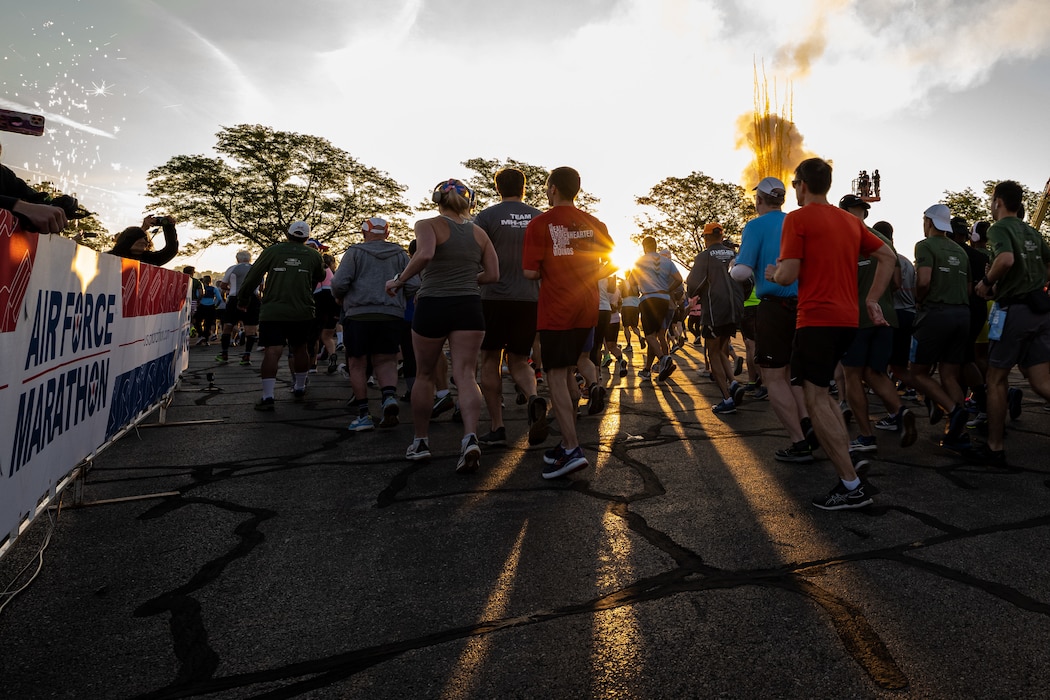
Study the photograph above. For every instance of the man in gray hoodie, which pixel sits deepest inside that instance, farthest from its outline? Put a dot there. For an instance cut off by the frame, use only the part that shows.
(373, 320)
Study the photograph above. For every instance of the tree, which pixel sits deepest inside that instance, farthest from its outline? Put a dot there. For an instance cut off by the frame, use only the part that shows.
(485, 195)
(263, 180)
(684, 205)
(976, 207)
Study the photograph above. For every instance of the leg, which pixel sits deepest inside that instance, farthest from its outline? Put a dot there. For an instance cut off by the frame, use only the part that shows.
(492, 385)
(778, 382)
(564, 411)
(428, 356)
(465, 346)
(831, 429)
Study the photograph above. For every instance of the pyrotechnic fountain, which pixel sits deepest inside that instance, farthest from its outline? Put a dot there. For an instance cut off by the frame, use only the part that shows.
(771, 135)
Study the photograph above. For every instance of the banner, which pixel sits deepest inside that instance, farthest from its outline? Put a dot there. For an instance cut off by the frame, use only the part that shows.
(90, 343)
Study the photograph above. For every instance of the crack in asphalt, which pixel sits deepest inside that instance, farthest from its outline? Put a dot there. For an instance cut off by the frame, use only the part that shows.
(198, 662)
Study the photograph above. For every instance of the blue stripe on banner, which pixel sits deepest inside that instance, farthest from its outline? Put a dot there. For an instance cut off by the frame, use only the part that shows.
(138, 390)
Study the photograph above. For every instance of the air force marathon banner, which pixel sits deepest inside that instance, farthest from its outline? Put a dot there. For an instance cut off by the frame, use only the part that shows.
(89, 343)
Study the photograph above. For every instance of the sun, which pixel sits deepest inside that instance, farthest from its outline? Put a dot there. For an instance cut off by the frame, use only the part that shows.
(624, 255)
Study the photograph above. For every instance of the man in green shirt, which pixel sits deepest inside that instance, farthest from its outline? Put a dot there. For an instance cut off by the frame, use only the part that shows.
(292, 270)
(942, 324)
(1016, 280)
(868, 357)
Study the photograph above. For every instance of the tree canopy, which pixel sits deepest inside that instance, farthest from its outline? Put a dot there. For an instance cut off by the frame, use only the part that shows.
(263, 180)
(682, 206)
(483, 170)
(977, 207)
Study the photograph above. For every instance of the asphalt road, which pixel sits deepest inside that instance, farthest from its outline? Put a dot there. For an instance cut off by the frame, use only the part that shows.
(279, 555)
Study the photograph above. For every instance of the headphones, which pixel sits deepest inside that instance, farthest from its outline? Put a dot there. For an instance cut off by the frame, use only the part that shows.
(449, 185)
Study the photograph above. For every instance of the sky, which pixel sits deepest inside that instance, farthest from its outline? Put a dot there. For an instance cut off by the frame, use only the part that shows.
(938, 94)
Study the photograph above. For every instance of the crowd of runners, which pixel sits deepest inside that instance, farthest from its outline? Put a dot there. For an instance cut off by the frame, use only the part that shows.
(828, 311)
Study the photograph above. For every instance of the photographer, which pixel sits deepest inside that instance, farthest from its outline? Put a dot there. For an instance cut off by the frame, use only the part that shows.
(134, 242)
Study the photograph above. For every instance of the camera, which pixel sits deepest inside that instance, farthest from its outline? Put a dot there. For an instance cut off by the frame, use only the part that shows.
(161, 220)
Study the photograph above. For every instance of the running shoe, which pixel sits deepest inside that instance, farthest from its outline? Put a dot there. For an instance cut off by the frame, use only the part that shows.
(246, 361)
(222, 358)
(553, 454)
(538, 429)
(645, 375)
(596, 402)
(863, 443)
(494, 438)
(667, 367)
(724, 406)
(361, 424)
(761, 393)
(333, 363)
(418, 450)
(469, 456)
(736, 390)
(565, 463)
(299, 394)
(266, 404)
(907, 422)
(391, 409)
(798, 453)
(738, 368)
(841, 498)
(1013, 402)
(847, 412)
(442, 405)
(889, 423)
(977, 421)
(623, 368)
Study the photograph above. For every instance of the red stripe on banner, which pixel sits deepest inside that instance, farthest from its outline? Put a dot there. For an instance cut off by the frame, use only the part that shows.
(68, 362)
(17, 252)
(150, 290)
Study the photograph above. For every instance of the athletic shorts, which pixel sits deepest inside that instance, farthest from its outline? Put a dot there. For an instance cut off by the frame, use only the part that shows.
(509, 325)
(563, 348)
(326, 310)
(436, 317)
(612, 332)
(941, 334)
(232, 315)
(712, 332)
(292, 333)
(775, 331)
(373, 337)
(653, 312)
(901, 353)
(816, 352)
(629, 316)
(1025, 339)
(748, 323)
(871, 347)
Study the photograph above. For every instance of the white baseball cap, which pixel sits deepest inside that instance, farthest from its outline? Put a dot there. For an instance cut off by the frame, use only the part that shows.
(940, 216)
(772, 186)
(374, 225)
(299, 229)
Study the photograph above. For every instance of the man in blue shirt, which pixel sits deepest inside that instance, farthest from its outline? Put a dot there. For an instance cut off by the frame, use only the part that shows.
(775, 326)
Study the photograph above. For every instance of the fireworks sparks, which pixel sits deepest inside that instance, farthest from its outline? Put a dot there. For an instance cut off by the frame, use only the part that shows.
(54, 67)
(100, 90)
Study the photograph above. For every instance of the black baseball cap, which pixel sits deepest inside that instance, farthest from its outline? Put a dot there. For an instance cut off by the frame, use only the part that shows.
(852, 200)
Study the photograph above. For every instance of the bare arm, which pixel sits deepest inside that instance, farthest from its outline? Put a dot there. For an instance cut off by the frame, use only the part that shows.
(489, 260)
(886, 260)
(998, 269)
(426, 244)
(922, 282)
(784, 272)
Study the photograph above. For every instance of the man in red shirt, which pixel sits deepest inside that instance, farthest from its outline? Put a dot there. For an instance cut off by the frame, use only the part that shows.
(819, 248)
(568, 250)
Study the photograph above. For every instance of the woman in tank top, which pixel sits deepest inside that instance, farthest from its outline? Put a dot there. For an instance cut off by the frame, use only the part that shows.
(453, 258)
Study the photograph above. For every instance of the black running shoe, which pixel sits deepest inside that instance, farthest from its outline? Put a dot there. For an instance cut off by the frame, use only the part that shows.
(494, 438)
(1013, 401)
(841, 498)
(798, 453)
(538, 429)
(596, 401)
